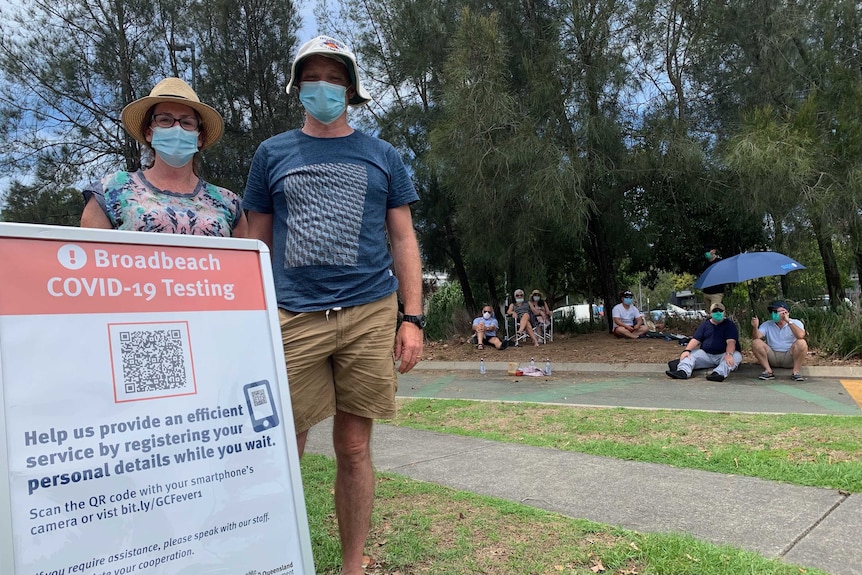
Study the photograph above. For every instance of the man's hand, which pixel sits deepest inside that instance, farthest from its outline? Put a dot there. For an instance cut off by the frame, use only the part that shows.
(755, 323)
(728, 359)
(408, 346)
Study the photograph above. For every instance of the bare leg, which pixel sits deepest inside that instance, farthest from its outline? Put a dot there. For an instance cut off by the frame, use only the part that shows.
(760, 351)
(799, 351)
(354, 487)
(300, 442)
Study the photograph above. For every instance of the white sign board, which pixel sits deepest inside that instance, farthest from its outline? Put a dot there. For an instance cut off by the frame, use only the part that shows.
(146, 422)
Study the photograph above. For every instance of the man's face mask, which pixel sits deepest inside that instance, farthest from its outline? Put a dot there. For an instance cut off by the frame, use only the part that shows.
(324, 101)
(628, 300)
(708, 255)
(718, 316)
(776, 316)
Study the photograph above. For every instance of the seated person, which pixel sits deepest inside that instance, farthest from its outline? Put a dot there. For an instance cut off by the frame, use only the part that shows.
(524, 319)
(785, 344)
(628, 321)
(715, 344)
(539, 307)
(485, 329)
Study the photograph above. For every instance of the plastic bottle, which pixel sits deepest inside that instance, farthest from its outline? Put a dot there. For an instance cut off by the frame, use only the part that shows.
(548, 366)
(532, 362)
(482, 366)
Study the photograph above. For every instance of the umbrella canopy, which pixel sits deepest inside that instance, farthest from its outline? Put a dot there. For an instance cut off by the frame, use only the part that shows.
(747, 266)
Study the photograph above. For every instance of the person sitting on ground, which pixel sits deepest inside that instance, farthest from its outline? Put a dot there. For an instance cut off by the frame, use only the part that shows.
(785, 344)
(628, 321)
(485, 329)
(715, 344)
(524, 319)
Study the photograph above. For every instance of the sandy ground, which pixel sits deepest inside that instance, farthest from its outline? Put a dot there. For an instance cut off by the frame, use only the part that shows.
(597, 347)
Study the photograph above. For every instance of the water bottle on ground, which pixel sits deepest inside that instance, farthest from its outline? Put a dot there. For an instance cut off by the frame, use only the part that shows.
(482, 366)
(548, 366)
(532, 362)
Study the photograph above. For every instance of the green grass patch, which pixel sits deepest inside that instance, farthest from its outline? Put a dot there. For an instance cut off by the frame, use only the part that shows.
(812, 450)
(424, 529)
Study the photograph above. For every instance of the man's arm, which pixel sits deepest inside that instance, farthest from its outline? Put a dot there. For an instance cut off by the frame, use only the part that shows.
(692, 345)
(260, 228)
(408, 270)
(755, 332)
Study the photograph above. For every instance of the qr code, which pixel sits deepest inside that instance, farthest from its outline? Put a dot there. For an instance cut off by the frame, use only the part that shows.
(151, 360)
(258, 397)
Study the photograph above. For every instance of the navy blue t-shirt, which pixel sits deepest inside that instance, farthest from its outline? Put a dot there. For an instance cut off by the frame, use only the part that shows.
(329, 198)
(713, 338)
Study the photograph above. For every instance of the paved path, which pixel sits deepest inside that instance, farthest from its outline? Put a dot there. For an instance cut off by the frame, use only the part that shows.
(808, 526)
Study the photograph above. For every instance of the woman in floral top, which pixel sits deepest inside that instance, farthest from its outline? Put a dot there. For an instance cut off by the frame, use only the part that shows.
(167, 196)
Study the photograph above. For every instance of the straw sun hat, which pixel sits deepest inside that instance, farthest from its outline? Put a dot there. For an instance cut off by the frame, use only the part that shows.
(172, 90)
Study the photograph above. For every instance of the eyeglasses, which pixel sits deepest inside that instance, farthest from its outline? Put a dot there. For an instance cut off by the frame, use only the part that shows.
(189, 123)
(487, 311)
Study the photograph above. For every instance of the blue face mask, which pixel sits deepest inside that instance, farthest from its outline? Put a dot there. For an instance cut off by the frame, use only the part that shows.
(776, 316)
(717, 316)
(628, 300)
(174, 145)
(324, 101)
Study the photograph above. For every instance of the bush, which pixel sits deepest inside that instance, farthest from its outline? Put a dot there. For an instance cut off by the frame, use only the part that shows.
(567, 324)
(446, 313)
(835, 333)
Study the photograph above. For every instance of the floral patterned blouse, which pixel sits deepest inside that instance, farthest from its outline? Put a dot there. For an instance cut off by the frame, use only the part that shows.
(131, 202)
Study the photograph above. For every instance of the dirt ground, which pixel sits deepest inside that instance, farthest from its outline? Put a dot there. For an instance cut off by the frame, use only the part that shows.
(600, 347)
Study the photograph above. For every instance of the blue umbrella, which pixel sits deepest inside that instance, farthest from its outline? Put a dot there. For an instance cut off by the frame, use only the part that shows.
(747, 266)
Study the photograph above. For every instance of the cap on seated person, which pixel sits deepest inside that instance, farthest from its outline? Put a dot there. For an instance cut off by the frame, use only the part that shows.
(778, 304)
(628, 293)
(716, 307)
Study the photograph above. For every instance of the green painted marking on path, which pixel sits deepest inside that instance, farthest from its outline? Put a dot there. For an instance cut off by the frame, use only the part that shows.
(564, 392)
(433, 388)
(824, 402)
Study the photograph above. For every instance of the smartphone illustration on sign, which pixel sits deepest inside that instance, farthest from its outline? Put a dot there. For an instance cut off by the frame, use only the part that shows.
(261, 408)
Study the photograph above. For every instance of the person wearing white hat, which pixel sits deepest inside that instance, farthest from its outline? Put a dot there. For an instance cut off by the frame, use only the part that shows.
(333, 204)
(167, 195)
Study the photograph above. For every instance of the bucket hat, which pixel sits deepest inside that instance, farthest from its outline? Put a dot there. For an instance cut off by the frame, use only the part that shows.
(172, 90)
(335, 49)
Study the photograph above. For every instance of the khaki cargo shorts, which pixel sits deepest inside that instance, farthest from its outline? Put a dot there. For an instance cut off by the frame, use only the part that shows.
(779, 358)
(341, 359)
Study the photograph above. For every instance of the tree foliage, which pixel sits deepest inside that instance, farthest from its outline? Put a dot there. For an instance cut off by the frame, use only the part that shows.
(573, 147)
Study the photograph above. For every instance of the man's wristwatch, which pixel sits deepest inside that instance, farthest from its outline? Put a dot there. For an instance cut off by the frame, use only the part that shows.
(417, 320)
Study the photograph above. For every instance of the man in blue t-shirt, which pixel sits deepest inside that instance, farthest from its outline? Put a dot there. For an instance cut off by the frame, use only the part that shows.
(330, 202)
(715, 344)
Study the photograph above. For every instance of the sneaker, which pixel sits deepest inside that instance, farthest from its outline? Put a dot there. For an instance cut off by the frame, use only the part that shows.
(797, 377)
(767, 375)
(677, 374)
(715, 376)
(673, 364)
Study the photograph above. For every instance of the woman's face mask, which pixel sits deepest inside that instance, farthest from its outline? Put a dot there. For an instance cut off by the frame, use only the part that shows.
(324, 101)
(486, 315)
(717, 316)
(519, 299)
(174, 145)
(536, 298)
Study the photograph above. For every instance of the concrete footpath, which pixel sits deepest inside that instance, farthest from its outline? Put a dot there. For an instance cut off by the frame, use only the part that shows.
(811, 527)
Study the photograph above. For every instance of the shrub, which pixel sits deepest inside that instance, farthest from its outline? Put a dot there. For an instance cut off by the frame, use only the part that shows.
(446, 313)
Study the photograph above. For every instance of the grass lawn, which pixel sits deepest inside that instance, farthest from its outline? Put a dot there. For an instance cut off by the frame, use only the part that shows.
(421, 528)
